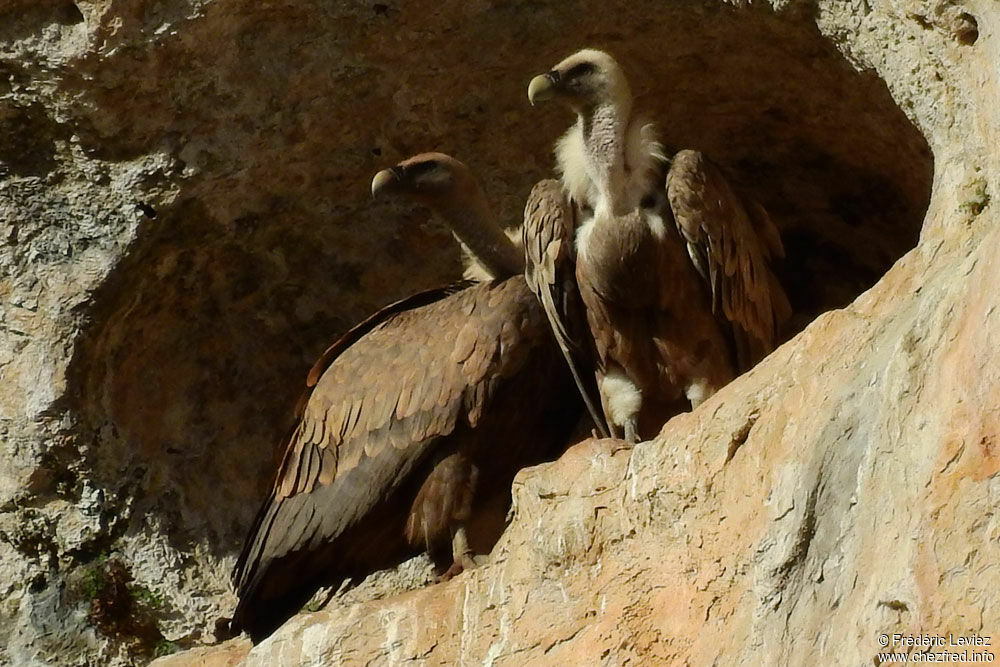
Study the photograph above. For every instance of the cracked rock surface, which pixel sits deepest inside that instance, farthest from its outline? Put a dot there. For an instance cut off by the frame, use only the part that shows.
(185, 224)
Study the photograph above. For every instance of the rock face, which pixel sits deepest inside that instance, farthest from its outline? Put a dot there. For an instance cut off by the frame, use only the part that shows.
(185, 225)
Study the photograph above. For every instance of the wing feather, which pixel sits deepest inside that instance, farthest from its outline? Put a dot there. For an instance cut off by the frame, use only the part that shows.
(732, 243)
(363, 429)
(549, 226)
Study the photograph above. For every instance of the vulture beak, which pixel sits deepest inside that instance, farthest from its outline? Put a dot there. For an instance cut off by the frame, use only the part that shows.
(386, 180)
(543, 87)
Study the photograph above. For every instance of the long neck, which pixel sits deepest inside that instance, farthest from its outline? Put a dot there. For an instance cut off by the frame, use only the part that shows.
(474, 224)
(604, 128)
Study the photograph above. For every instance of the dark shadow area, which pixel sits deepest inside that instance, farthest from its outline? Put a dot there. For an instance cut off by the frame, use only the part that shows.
(27, 140)
(199, 343)
(20, 19)
(839, 167)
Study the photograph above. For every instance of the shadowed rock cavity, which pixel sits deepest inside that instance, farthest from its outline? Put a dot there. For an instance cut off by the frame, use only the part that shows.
(837, 164)
(197, 344)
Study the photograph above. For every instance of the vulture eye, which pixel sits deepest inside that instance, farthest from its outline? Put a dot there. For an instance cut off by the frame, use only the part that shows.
(580, 69)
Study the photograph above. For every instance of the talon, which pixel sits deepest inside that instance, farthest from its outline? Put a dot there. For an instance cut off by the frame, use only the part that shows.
(449, 574)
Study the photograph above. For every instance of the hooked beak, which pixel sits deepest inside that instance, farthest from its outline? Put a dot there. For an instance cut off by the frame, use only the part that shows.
(543, 87)
(385, 180)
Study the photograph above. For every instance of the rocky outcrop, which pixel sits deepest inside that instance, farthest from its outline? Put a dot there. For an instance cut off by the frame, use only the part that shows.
(185, 225)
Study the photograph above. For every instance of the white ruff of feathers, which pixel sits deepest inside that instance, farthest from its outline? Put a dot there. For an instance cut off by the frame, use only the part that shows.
(608, 186)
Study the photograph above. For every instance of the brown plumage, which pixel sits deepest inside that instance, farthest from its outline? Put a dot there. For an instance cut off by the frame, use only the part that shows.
(656, 339)
(550, 271)
(673, 266)
(731, 241)
(414, 422)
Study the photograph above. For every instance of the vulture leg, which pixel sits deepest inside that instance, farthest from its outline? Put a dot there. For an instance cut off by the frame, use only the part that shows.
(440, 511)
(461, 553)
(461, 550)
(631, 431)
(700, 391)
(622, 400)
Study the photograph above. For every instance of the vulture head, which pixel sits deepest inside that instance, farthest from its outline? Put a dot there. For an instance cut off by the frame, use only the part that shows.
(432, 178)
(447, 186)
(587, 79)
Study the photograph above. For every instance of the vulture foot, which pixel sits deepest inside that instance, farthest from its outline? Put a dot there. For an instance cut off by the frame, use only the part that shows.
(449, 574)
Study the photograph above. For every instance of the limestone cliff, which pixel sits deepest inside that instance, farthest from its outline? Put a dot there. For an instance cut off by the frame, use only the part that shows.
(185, 224)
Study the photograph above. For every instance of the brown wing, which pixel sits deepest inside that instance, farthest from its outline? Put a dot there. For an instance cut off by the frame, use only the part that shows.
(550, 272)
(409, 303)
(731, 243)
(390, 389)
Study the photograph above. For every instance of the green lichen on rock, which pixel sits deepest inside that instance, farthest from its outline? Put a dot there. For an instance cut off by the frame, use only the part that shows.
(978, 198)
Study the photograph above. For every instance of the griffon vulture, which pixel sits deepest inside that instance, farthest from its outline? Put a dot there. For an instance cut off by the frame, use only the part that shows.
(673, 266)
(413, 420)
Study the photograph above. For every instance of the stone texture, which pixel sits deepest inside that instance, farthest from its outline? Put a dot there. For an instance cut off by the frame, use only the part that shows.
(185, 224)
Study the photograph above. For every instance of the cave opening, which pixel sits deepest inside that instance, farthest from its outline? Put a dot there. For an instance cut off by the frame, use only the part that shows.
(824, 148)
(201, 340)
